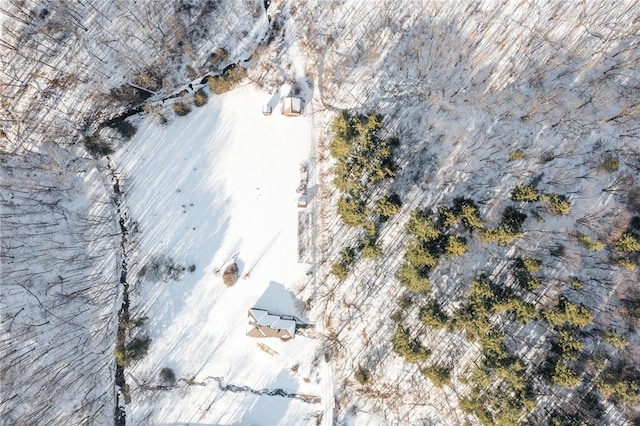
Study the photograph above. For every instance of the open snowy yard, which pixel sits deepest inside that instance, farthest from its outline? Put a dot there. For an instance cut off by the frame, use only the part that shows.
(218, 183)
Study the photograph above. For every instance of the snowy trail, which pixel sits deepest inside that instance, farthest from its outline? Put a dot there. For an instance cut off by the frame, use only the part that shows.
(327, 393)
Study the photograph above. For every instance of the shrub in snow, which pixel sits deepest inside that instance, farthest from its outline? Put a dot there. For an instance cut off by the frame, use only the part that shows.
(447, 218)
(568, 345)
(468, 213)
(564, 376)
(231, 274)
(525, 193)
(455, 246)
(568, 313)
(588, 243)
(433, 316)
(372, 250)
(500, 235)
(200, 98)
(438, 375)
(181, 109)
(133, 323)
(529, 264)
(627, 243)
(410, 349)
(413, 279)
(626, 263)
(576, 283)
(135, 350)
(362, 375)
(419, 255)
(389, 206)
(217, 58)
(522, 311)
(352, 211)
(162, 268)
(226, 81)
(516, 155)
(524, 270)
(559, 204)
(167, 376)
(615, 339)
(343, 266)
(610, 163)
(422, 226)
(509, 229)
(340, 270)
(96, 147)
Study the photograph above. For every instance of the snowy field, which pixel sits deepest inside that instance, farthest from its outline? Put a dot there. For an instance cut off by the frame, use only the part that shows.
(216, 184)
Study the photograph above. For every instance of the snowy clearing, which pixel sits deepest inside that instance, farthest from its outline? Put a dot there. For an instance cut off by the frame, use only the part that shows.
(212, 186)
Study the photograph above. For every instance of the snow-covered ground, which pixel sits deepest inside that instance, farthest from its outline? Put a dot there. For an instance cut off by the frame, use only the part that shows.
(462, 84)
(216, 184)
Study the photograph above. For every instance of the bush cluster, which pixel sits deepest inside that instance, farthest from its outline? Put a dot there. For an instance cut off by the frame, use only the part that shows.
(96, 147)
(559, 204)
(499, 405)
(568, 314)
(438, 375)
(626, 391)
(410, 349)
(564, 376)
(627, 243)
(588, 243)
(524, 270)
(343, 266)
(615, 339)
(433, 316)
(525, 193)
(610, 163)
(362, 158)
(516, 155)
(200, 98)
(135, 350)
(217, 58)
(433, 237)
(556, 203)
(510, 228)
(228, 80)
(181, 109)
(388, 206)
(362, 375)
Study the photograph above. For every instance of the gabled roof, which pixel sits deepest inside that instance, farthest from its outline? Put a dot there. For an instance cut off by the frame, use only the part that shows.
(291, 105)
(264, 324)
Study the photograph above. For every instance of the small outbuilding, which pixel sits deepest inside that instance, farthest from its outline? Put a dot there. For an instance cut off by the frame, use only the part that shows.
(264, 324)
(291, 106)
(302, 200)
(266, 109)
